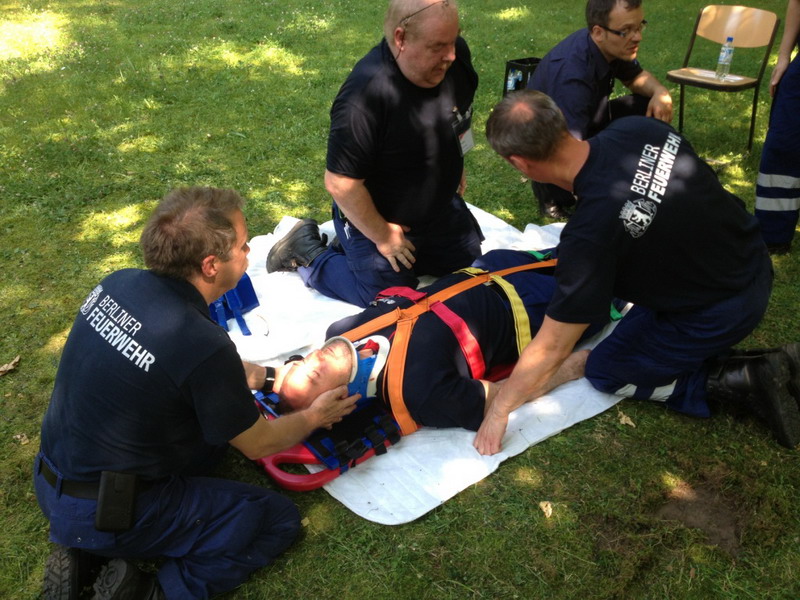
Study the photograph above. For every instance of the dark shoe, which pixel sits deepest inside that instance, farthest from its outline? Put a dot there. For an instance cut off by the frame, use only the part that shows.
(554, 202)
(759, 384)
(792, 352)
(297, 248)
(555, 211)
(68, 572)
(122, 580)
(778, 249)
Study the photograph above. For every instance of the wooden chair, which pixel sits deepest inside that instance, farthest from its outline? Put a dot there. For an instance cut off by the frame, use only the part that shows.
(750, 28)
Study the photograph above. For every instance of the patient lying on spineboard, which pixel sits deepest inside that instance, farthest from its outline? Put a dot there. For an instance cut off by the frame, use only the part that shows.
(440, 385)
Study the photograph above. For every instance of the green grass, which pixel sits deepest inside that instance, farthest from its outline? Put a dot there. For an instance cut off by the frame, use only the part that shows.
(105, 106)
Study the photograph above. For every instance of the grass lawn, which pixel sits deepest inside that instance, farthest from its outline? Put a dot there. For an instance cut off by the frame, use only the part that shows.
(105, 106)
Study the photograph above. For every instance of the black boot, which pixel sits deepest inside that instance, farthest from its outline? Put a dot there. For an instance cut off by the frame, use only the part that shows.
(554, 202)
(759, 385)
(792, 351)
(122, 580)
(68, 572)
(297, 248)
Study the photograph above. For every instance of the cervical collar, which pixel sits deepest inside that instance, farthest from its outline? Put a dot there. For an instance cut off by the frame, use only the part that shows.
(365, 371)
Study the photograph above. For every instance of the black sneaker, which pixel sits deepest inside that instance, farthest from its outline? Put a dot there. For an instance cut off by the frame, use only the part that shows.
(297, 248)
(122, 580)
(68, 572)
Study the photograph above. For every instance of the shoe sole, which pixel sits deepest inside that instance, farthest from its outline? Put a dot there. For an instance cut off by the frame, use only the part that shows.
(783, 411)
(61, 576)
(273, 265)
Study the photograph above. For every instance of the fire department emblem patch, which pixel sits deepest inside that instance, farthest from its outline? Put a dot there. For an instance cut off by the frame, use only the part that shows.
(637, 215)
(91, 299)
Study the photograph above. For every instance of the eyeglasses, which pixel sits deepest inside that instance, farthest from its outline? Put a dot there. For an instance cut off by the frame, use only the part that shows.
(624, 33)
(404, 21)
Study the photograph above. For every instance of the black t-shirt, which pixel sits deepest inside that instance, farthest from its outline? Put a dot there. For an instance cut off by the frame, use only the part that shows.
(399, 137)
(653, 226)
(147, 383)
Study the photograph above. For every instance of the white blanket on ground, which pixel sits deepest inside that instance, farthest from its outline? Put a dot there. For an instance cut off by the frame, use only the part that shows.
(427, 468)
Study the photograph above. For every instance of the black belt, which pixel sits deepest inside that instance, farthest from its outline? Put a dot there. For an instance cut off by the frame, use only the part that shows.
(87, 490)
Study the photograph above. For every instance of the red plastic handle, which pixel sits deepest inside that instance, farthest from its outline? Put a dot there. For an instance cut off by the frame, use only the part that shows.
(298, 454)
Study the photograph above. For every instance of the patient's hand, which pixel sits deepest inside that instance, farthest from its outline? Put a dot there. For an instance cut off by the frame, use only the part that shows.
(490, 434)
(330, 407)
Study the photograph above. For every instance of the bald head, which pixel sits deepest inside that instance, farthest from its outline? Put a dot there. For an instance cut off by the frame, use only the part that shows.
(526, 123)
(408, 14)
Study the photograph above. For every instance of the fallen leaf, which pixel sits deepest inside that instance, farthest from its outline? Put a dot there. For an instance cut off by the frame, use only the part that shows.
(21, 439)
(625, 419)
(547, 508)
(305, 522)
(8, 367)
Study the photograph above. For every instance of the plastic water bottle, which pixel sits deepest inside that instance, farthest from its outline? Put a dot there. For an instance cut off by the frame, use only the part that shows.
(514, 75)
(724, 60)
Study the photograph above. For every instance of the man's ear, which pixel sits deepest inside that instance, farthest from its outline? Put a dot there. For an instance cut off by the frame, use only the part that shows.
(517, 162)
(597, 33)
(399, 37)
(524, 165)
(209, 266)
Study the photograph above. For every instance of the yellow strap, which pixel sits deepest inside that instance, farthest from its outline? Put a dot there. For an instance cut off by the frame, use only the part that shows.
(522, 323)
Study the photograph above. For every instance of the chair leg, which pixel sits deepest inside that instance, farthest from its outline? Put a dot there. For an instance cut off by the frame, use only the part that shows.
(680, 109)
(753, 120)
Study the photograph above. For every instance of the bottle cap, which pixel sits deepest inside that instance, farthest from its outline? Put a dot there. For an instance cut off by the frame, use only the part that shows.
(730, 39)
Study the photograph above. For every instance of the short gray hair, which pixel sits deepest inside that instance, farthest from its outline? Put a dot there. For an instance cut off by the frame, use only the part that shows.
(526, 123)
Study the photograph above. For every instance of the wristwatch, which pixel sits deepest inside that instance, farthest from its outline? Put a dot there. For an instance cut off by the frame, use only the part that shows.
(269, 380)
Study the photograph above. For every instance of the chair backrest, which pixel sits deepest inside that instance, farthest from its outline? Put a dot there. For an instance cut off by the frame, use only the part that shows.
(749, 27)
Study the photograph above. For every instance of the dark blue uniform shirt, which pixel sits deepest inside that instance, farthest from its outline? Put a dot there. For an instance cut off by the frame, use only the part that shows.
(147, 383)
(653, 226)
(576, 75)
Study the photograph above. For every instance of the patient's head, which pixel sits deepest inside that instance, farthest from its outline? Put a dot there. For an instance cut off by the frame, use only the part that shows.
(321, 371)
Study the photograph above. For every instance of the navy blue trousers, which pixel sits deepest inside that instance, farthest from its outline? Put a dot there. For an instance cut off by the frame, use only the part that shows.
(356, 271)
(778, 187)
(211, 534)
(663, 356)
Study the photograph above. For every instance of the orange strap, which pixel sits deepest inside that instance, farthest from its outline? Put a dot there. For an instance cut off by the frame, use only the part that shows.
(406, 319)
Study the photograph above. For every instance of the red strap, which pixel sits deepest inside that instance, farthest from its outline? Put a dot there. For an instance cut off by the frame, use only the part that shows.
(469, 345)
(403, 292)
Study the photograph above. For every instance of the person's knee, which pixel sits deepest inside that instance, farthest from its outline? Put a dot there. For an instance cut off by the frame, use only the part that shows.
(285, 523)
(598, 374)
